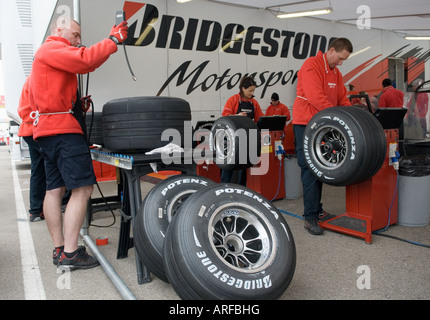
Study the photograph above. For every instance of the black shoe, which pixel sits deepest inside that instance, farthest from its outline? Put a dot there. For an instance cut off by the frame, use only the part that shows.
(57, 252)
(313, 227)
(80, 260)
(37, 217)
(324, 216)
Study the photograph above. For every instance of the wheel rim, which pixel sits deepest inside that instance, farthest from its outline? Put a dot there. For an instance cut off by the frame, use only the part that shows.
(242, 237)
(177, 202)
(223, 144)
(330, 147)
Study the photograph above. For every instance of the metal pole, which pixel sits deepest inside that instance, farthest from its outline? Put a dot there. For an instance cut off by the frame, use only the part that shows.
(110, 271)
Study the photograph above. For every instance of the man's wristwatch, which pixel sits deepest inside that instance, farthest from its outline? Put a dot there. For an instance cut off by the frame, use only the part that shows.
(114, 39)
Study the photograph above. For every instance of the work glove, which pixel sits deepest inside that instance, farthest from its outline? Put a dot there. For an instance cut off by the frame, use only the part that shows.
(119, 33)
(86, 103)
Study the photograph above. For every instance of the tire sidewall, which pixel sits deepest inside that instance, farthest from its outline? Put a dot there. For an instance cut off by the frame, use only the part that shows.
(202, 269)
(356, 145)
(155, 215)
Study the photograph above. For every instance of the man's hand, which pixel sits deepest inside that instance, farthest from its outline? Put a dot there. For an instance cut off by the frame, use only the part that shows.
(119, 33)
(86, 103)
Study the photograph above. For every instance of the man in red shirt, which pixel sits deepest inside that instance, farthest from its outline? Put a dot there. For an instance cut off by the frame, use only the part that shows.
(390, 97)
(57, 127)
(277, 108)
(319, 86)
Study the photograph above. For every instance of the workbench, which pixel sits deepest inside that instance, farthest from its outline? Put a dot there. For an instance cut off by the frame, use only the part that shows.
(132, 167)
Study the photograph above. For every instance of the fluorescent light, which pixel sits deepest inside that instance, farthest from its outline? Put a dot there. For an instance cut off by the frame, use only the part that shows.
(304, 13)
(183, 1)
(417, 38)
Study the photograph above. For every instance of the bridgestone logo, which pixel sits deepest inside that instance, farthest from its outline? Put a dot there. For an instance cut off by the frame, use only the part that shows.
(312, 167)
(258, 283)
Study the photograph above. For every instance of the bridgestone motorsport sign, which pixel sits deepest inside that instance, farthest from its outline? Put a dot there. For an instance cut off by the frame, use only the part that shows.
(148, 27)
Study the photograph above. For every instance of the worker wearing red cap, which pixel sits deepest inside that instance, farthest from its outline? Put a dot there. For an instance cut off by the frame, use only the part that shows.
(319, 86)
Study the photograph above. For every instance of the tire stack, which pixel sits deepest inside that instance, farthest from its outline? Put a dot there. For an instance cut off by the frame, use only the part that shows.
(214, 241)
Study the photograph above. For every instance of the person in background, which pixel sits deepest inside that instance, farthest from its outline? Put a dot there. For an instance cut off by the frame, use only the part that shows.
(277, 108)
(37, 177)
(57, 114)
(242, 104)
(319, 86)
(390, 97)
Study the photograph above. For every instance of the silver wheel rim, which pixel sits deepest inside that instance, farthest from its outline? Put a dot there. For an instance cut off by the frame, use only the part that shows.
(242, 237)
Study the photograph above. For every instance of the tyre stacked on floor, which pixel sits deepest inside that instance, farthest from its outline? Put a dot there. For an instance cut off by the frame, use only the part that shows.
(228, 242)
(214, 241)
(156, 212)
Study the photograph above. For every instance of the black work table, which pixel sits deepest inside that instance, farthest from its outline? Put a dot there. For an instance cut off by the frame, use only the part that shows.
(133, 166)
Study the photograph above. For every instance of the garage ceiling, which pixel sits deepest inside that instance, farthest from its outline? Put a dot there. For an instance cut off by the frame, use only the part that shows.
(404, 17)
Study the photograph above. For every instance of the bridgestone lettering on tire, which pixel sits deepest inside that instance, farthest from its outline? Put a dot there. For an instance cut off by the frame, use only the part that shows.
(236, 141)
(344, 145)
(136, 124)
(155, 214)
(229, 242)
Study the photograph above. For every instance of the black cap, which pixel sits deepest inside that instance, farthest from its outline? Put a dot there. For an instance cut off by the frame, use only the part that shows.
(275, 97)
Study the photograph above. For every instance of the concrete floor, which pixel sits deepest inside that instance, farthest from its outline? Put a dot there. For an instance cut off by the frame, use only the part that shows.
(329, 267)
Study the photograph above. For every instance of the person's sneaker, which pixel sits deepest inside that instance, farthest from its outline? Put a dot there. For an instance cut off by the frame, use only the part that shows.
(324, 216)
(313, 227)
(37, 217)
(57, 252)
(80, 260)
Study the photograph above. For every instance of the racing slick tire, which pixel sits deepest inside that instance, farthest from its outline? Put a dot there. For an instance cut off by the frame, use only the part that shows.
(135, 124)
(229, 242)
(155, 214)
(94, 128)
(236, 142)
(344, 145)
